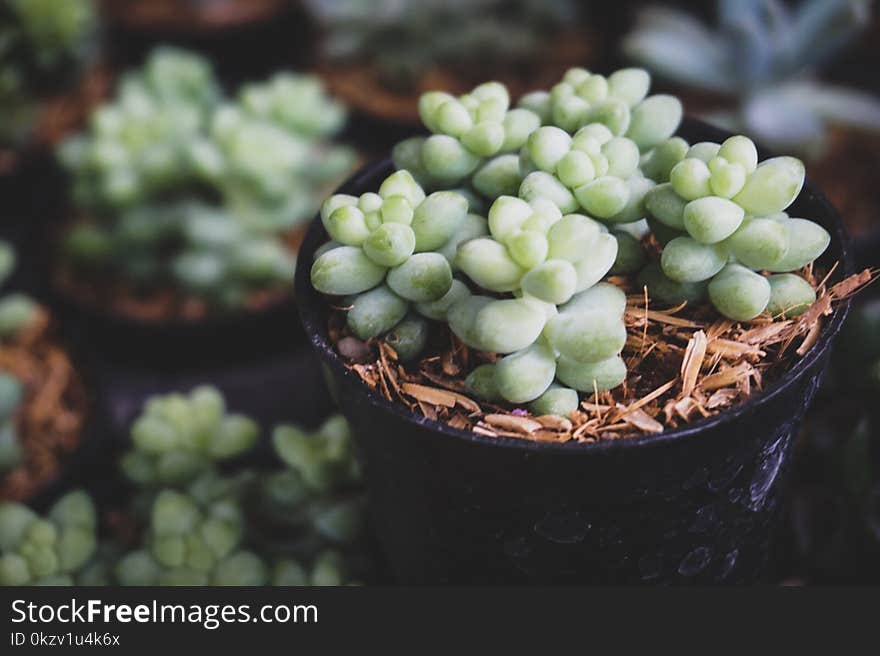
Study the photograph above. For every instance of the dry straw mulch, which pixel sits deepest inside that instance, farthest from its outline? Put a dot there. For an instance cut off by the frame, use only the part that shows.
(51, 419)
(684, 363)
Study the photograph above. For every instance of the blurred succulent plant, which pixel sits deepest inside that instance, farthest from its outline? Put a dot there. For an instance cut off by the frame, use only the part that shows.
(181, 184)
(205, 526)
(47, 550)
(41, 42)
(181, 436)
(194, 537)
(764, 54)
(16, 309)
(11, 395)
(405, 38)
(201, 525)
(318, 494)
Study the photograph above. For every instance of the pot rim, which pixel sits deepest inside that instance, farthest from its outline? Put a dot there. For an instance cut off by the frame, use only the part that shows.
(309, 300)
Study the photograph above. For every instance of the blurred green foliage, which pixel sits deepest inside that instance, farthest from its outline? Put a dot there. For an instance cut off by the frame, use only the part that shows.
(200, 514)
(765, 54)
(179, 185)
(42, 42)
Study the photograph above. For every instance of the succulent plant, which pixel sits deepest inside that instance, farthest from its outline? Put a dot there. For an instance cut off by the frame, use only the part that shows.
(524, 282)
(206, 526)
(41, 41)
(17, 310)
(180, 185)
(201, 517)
(319, 491)
(179, 437)
(47, 550)
(405, 39)
(194, 538)
(763, 55)
(11, 395)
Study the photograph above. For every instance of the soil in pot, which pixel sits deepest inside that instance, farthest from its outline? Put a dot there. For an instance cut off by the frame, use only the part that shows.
(50, 421)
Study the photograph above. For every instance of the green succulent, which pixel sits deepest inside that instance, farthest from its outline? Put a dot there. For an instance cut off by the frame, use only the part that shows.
(201, 520)
(205, 525)
(320, 489)
(47, 550)
(763, 55)
(11, 396)
(569, 182)
(41, 42)
(185, 187)
(178, 437)
(194, 538)
(17, 310)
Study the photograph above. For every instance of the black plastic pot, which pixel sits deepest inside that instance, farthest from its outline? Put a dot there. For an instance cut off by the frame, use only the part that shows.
(178, 344)
(173, 344)
(698, 504)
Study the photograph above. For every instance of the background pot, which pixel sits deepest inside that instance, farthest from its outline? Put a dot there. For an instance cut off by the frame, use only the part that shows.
(175, 344)
(244, 39)
(699, 504)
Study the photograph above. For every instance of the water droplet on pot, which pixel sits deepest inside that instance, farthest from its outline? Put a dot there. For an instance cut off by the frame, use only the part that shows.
(695, 562)
(769, 463)
(563, 527)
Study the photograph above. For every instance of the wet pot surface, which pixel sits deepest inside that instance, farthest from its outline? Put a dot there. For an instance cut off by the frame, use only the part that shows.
(694, 505)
